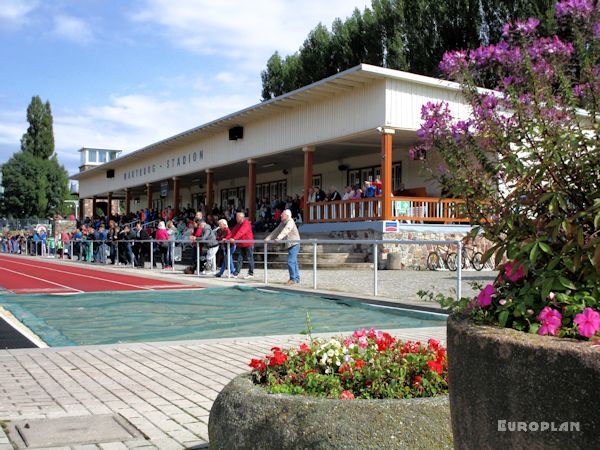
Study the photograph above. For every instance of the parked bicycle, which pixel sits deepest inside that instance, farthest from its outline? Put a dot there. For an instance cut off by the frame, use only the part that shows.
(441, 258)
(471, 257)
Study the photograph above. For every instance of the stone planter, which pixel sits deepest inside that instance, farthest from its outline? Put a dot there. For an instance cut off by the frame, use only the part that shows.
(245, 416)
(544, 388)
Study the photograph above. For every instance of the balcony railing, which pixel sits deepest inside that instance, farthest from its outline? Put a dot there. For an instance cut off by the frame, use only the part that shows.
(406, 209)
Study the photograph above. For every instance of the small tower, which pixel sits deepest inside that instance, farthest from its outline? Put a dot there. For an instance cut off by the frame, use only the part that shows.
(92, 157)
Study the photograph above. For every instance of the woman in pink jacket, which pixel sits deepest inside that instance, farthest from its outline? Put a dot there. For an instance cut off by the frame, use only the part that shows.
(162, 235)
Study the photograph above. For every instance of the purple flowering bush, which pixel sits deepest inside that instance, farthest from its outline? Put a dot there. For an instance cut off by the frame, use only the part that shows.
(527, 164)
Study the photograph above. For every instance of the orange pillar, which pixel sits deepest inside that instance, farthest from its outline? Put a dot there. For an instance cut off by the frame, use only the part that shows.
(210, 193)
(308, 174)
(149, 195)
(386, 173)
(109, 205)
(127, 201)
(176, 195)
(251, 190)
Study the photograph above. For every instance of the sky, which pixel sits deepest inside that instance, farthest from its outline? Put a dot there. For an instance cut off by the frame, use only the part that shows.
(123, 74)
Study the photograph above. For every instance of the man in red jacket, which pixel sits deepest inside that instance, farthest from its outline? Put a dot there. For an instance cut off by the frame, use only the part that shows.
(242, 232)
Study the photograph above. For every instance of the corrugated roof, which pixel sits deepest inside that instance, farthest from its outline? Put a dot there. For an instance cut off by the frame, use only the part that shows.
(340, 82)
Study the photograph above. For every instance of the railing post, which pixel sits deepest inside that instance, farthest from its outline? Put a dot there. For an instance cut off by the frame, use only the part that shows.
(375, 268)
(116, 263)
(72, 249)
(228, 256)
(459, 271)
(151, 255)
(172, 261)
(315, 265)
(197, 259)
(265, 253)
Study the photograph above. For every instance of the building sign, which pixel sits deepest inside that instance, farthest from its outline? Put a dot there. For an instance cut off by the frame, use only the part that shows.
(170, 163)
(164, 187)
(390, 226)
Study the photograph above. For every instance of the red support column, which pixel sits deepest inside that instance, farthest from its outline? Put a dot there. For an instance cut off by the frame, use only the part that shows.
(93, 208)
(210, 193)
(176, 195)
(149, 195)
(251, 190)
(386, 173)
(308, 174)
(109, 205)
(127, 201)
(81, 208)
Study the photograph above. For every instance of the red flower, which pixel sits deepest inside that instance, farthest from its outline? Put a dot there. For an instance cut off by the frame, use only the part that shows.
(514, 271)
(277, 358)
(385, 342)
(347, 395)
(435, 366)
(433, 344)
(258, 364)
(304, 348)
(359, 364)
(344, 368)
(276, 350)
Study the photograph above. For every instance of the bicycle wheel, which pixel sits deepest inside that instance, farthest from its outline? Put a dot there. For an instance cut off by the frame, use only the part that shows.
(476, 261)
(451, 262)
(433, 261)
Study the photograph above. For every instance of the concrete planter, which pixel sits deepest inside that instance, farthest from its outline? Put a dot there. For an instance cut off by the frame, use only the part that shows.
(245, 416)
(510, 389)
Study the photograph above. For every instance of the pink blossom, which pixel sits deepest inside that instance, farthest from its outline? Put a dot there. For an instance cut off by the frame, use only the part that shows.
(485, 296)
(359, 333)
(588, 322)
(363, 342)
(502, 302)
(514, 271)
(575, 8)
(551, 321)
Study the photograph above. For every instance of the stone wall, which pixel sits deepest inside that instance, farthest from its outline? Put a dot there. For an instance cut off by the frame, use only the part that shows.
(412, 256)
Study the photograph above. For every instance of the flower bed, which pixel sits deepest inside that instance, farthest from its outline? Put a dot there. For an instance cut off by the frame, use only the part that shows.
(368, 390)
(370, 365)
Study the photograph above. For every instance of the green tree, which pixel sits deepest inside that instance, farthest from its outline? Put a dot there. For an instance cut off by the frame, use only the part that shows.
(39, 138)
(35, 183)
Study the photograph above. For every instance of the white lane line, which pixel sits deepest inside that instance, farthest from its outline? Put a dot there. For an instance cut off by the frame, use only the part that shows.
(41, 279)
(80, 275)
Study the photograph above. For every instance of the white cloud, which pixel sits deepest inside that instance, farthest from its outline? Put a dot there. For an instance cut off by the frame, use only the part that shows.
(73, 29)
(134, 121)
(247, 32)
(13, 13)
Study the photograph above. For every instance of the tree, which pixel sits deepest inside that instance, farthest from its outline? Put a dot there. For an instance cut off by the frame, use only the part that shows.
(39, 139)
(35, 184)
(406, 35)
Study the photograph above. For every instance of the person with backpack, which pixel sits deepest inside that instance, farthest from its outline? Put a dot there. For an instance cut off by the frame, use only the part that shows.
(206, 235)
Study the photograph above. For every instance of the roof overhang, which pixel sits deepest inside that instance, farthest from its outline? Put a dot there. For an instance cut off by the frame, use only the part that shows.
(333, 85)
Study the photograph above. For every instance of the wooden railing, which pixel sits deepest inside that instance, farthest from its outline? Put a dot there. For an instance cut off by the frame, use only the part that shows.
(406, 209)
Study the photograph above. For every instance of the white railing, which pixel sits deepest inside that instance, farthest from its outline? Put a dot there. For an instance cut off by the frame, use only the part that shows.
(374, 243)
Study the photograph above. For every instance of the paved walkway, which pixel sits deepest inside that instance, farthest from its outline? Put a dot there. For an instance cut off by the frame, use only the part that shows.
(164, 389)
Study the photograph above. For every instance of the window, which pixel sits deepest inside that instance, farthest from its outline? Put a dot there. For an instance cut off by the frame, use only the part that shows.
(112, 156)
(396, 176)
(102, 156)
(92, 156)
(274, 188)
(317, 180)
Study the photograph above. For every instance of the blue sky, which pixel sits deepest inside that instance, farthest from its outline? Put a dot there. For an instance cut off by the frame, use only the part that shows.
(123, 74)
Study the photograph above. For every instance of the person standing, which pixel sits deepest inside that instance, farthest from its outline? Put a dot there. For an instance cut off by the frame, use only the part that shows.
(207, 236)
(287, 230)
(223, 235)
(243, 232)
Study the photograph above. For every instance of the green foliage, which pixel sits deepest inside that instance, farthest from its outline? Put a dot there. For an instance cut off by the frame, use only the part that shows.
(398, 34)
(34, 182)
(527, 165)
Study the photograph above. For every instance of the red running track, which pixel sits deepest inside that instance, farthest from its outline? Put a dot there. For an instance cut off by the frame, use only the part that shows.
(26, 276)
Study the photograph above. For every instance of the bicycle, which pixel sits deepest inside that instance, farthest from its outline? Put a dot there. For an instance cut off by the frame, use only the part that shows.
(435, 259)
(469, 256)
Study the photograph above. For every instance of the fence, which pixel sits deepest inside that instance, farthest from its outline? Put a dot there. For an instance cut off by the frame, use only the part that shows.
(153, 244)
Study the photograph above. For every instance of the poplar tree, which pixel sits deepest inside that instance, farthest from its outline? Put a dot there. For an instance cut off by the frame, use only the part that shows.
(35, 184)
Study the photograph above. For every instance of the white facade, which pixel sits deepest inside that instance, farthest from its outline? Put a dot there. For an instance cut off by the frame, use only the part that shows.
(339, 116)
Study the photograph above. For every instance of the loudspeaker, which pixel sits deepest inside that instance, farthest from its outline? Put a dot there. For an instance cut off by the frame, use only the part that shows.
(285, 171)
(236, 133)
(342, 167)
(110, 173)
